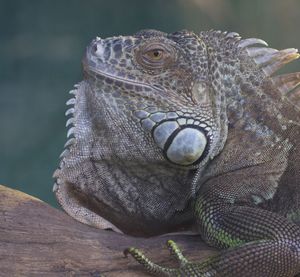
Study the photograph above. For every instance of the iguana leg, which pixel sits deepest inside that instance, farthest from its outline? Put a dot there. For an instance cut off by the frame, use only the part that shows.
(236, 262)
(257, 242)
(157, 269)
(151, 267)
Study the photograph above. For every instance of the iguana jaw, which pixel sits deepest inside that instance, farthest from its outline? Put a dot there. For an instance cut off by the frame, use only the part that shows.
(89, 68)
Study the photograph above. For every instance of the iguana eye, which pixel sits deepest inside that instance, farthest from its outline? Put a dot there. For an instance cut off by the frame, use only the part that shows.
(155, 56)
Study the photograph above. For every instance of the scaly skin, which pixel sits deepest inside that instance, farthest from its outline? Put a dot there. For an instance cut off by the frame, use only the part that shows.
(179, 131)
(258, 243)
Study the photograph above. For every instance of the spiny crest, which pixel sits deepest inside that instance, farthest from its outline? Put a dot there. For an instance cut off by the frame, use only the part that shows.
(271, 60)
(219, 37)
(70, 124)
(287, 82)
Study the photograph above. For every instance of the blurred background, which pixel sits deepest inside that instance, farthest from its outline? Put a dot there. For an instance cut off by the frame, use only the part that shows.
(41, 45)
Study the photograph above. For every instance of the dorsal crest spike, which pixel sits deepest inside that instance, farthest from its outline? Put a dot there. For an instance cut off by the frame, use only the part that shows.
(287, 82)
(271, 63)
(69, 142)
(71, 132)
(71, 102)
(268, 59)
(69, 112)
(64, 153)
(260, 51)
(251, 41)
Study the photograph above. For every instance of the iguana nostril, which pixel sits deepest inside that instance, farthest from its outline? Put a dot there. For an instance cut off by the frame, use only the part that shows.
(99, 50)
(95, 47)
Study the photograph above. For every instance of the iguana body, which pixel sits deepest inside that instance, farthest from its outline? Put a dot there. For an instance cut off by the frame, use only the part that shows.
(183, 131)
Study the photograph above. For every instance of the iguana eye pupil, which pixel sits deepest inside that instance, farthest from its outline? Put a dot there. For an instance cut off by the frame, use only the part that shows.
(154, 54)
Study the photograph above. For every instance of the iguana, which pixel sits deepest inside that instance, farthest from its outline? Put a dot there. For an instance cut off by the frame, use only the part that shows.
(188, 131)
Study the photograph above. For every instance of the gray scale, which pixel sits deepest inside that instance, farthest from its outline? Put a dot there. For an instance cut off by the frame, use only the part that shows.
(152, 109)
(171, 115)
(148, 124)
(141, 114)
(163, 131)
(157, 117)
(181, 121)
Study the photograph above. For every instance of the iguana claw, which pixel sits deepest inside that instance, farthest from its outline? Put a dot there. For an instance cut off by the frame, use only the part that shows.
(158, 270)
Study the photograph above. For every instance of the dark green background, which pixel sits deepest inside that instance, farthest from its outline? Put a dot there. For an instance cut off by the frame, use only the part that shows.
(41, 45)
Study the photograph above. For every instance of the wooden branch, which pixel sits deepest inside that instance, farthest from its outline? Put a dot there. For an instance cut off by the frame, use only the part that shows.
(38, 240)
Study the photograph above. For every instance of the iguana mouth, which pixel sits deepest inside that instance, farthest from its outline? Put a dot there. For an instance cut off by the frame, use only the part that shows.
(121, 79)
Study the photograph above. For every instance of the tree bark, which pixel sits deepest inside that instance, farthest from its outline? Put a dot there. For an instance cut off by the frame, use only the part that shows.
(38, 240)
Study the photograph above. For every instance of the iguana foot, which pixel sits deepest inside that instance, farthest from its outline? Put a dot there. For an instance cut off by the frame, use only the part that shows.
(185, 268)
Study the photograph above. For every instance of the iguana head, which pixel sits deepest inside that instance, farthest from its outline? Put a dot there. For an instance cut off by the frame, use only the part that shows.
(144, 123)
(162, 83)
